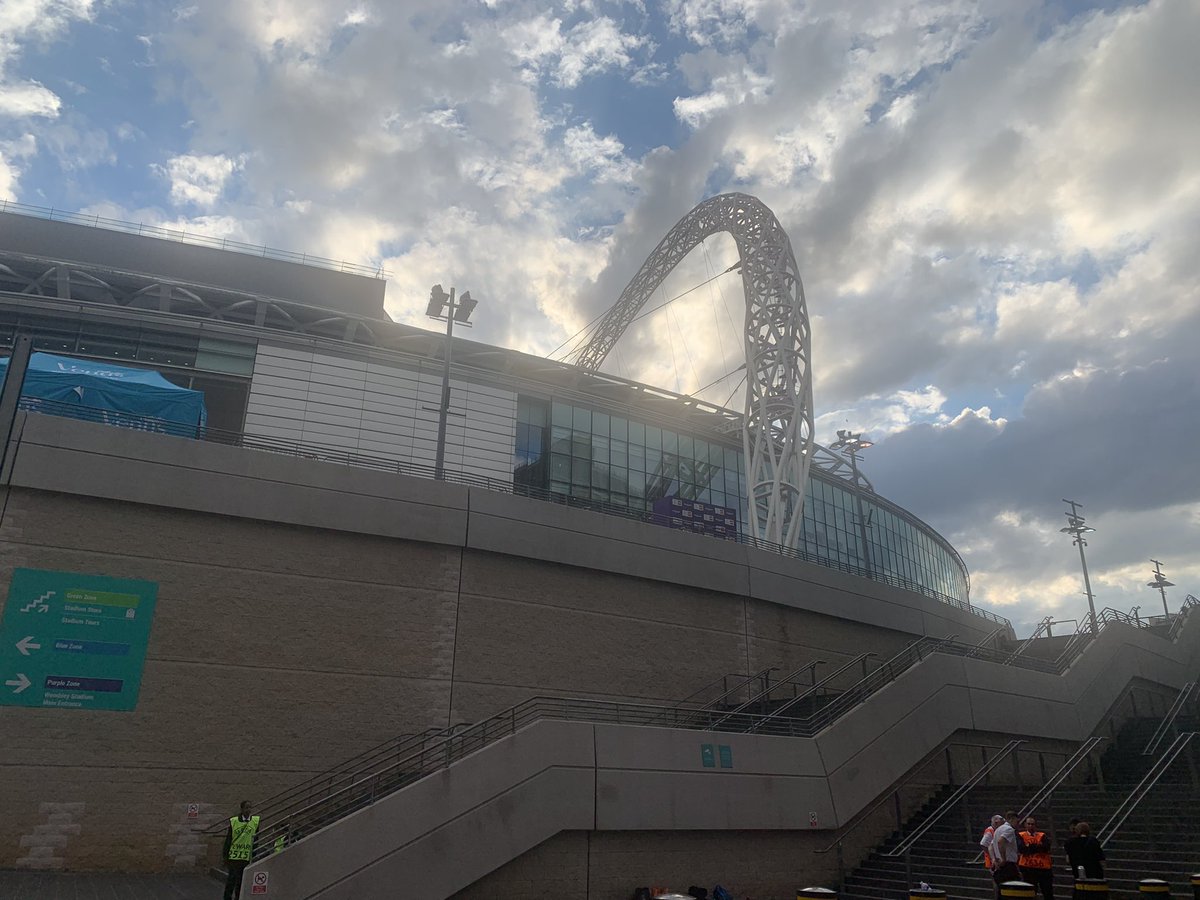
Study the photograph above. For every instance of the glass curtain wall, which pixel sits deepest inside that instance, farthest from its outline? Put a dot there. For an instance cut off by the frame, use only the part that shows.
(598, 457)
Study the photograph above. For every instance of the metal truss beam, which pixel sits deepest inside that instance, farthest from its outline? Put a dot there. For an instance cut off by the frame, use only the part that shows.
(777, 439)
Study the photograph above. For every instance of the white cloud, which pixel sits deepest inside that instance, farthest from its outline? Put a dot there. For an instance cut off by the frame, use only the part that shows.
(27, 99)
(12, 156)
(199, 179)
(594, 46)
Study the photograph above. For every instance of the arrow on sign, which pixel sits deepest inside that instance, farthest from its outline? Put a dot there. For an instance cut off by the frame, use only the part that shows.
(25, 645)
(19, 683)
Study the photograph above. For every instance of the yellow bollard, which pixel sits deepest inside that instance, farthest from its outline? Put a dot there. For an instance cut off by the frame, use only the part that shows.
(1091, 889)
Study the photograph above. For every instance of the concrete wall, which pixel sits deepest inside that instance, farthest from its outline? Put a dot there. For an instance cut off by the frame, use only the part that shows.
(308, 611)
(179, 262)
(515, 794)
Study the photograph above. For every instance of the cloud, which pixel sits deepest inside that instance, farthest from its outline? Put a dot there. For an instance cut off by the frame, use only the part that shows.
(992, 204)
(198, 180)
(12, 157)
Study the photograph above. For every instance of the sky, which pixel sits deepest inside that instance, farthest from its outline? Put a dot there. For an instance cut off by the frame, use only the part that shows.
(993, 204)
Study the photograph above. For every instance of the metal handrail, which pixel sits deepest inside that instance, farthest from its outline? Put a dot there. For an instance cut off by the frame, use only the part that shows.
(442, 753)
(795, 701)
(690, 701)
(767, 691)
(1053, 783)
(349, 770)
(904, 848)
(1043, 625)
(340, 456)
(989, 639)
(1138, 794)
(1185, 694)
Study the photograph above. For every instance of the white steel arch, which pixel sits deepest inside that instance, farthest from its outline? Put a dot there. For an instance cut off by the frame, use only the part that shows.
(777, 437)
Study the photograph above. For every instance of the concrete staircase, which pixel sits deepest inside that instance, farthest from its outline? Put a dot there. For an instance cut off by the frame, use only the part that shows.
(1161, 839)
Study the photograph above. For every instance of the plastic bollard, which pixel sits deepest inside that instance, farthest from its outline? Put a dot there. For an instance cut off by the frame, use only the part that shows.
(1091, 888)
(1018, 890)
(1196, 887)
(815, 893)
(1153, 887)
(926, 894)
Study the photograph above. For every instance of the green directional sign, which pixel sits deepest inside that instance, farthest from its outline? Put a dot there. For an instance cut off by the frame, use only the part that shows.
(74, 641)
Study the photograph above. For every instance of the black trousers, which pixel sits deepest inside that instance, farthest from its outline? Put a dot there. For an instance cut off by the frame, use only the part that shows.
(1042, 879)
(1006, 872)
(233, 884)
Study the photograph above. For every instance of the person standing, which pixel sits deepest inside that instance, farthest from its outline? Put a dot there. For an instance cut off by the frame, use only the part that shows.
(986, 841)
(239, 847)
(1005, 852)
(1035, 862)
(1085, 851)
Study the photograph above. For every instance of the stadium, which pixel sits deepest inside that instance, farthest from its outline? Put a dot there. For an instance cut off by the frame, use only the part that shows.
(483, 623)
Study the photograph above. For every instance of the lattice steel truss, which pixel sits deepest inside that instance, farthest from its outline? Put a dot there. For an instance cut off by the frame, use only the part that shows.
(778, 435)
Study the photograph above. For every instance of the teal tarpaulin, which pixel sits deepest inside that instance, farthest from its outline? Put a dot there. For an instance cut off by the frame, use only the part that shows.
(100, 385)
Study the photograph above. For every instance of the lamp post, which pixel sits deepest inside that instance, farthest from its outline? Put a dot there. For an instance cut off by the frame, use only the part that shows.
(443, 306)
(852, 444)
(1161, 584)
(1077, 528)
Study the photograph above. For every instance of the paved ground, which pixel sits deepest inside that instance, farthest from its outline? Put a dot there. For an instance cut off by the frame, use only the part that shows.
(72, 886)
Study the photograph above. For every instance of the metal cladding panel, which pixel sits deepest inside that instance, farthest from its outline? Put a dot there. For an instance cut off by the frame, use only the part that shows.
(381, 410)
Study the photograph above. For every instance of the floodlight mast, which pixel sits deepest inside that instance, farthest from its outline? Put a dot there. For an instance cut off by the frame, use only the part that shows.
(443, 306)
(1077, 527)
(777, 436)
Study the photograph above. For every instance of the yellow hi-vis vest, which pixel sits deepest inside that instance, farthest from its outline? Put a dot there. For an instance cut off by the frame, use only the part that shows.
(242, 845)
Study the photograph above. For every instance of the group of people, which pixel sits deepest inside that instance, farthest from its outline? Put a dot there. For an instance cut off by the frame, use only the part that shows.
(1026, 855)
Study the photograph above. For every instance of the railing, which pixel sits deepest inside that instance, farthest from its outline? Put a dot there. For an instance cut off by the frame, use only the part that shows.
(1043, 625)
(1189, 603)
(367, 778)
(695, 700)
(188, 237)
(1138, 794)
(764, 696)
(814, 691)
(364, 779)
(904, 847)
(992, 638)
(345, 774)
(1168, 720)
(418, 470)
(1053, 783)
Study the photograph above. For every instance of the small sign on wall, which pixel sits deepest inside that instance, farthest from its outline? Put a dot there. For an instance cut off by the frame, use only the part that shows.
(812, 820)
(260, 883)
(725, 752)
(707, 757)
(193, 810)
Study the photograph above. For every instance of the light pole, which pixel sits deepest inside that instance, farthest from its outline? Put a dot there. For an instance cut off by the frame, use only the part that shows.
(852, 444)
(443, 306)
(1161, 584)
(1077, 528)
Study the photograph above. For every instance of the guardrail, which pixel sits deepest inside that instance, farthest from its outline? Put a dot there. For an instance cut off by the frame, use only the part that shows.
(362, 780)
(189, 237)
(417, 470)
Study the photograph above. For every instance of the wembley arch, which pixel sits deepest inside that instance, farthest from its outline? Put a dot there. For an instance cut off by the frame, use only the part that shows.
(777, 436)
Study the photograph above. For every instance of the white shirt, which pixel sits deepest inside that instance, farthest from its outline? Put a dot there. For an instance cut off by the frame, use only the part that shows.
(1008, 834)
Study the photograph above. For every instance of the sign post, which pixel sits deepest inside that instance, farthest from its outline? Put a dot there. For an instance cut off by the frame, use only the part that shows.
(74, 641)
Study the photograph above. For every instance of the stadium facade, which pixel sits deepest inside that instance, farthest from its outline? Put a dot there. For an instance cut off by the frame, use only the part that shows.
(320, 594)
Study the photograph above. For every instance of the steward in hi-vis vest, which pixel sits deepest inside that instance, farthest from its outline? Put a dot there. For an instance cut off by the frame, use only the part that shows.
(1036, 864)
(239, 847)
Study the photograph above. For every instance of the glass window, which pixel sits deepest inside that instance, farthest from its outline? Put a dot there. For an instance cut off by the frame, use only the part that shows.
(560, 467)
(619, 428)
(600, 423)
(619, 454)
(637, 433)
(560, 414)
(653, 438)
(581, 419)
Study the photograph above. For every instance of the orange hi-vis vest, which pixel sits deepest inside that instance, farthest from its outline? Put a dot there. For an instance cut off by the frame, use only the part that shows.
(987, 851)
(1034, 859)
